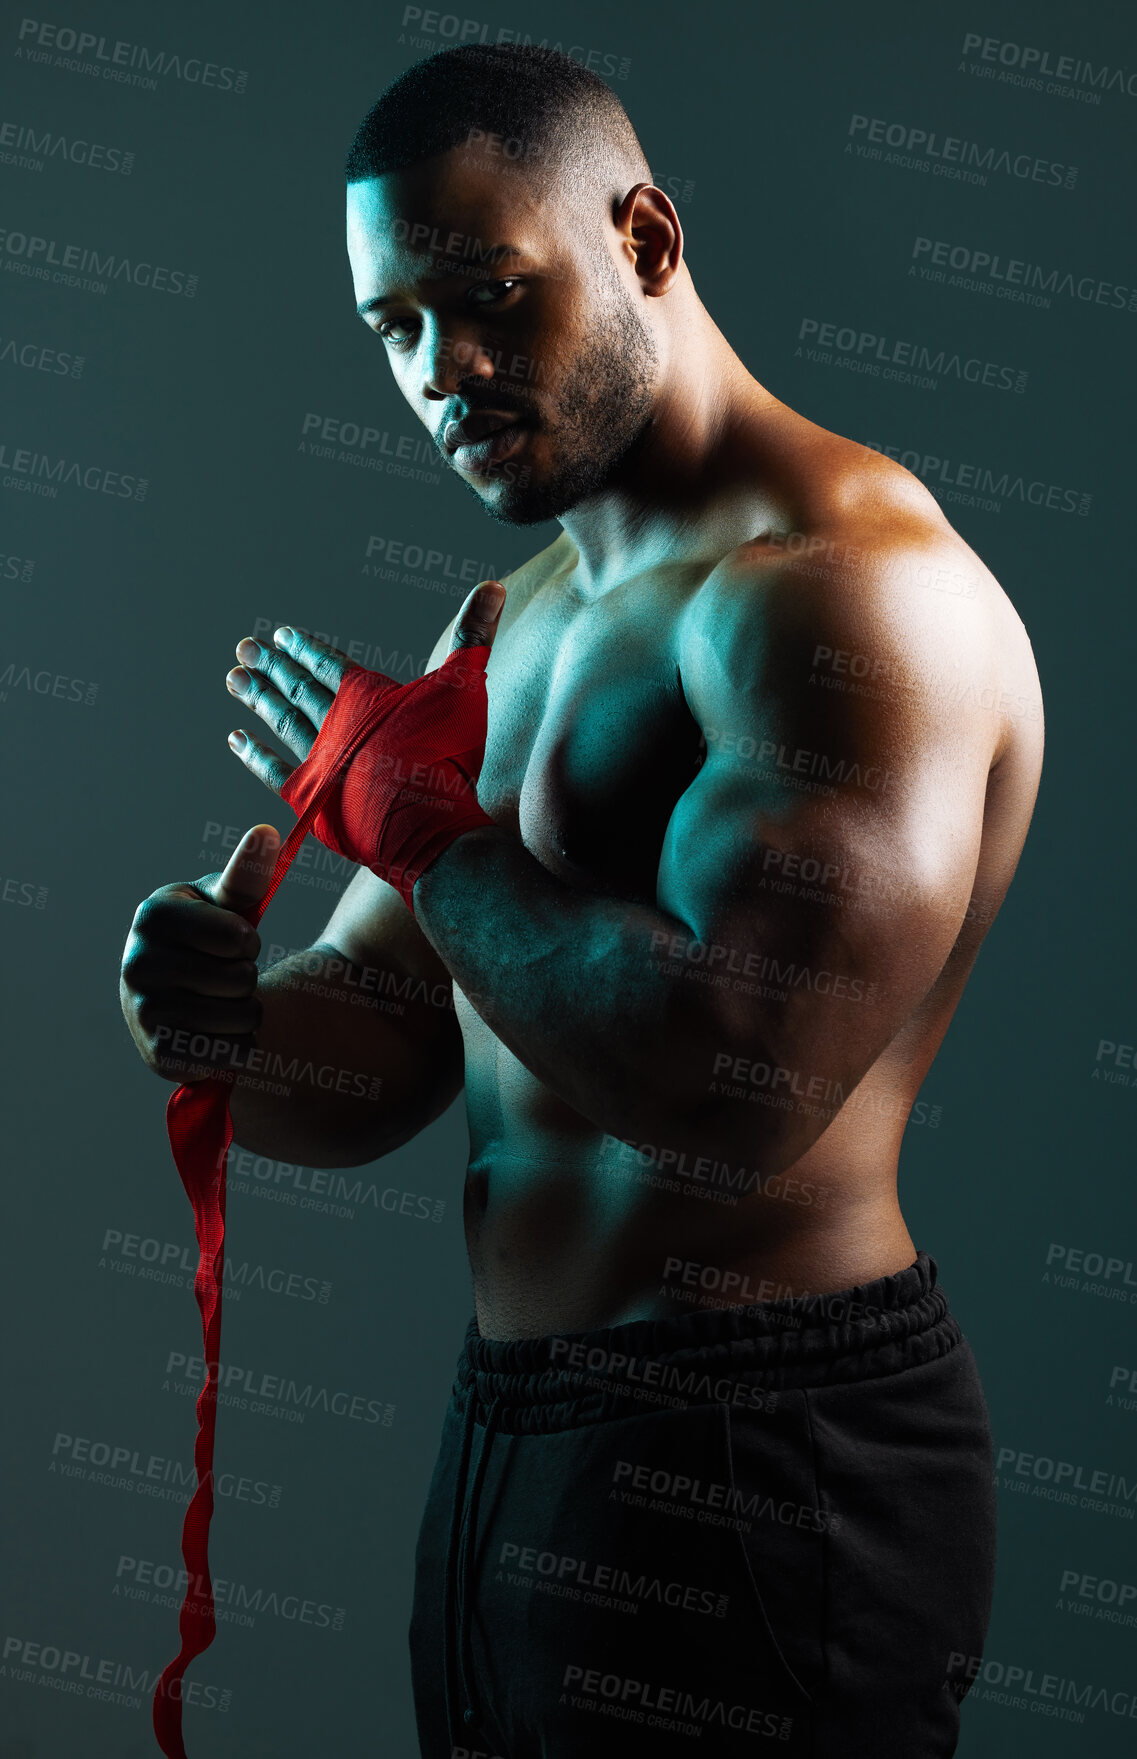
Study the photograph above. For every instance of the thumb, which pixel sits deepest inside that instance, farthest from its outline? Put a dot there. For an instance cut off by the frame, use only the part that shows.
(477, 621)
(248, 871)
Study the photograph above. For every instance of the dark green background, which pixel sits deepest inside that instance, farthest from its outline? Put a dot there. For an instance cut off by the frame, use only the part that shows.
(206, 399)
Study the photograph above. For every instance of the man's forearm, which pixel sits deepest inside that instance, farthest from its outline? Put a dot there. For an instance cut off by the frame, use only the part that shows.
(340, 1073)
(573, 984)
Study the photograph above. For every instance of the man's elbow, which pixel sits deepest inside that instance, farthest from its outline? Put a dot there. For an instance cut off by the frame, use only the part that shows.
(734, 1105)
(349, 1135)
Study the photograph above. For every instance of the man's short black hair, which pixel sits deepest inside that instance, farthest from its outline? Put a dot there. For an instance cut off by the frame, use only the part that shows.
(555, 117)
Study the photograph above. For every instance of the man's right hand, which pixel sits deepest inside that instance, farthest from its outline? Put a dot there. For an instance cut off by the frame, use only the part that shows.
(189, 965)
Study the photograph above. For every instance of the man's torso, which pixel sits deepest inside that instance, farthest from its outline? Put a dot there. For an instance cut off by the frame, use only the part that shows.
(590, 745)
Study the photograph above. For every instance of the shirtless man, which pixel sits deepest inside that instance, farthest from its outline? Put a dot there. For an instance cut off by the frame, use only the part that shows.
(764, 738)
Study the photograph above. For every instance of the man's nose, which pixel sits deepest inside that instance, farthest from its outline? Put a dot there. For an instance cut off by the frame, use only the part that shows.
(452, 359)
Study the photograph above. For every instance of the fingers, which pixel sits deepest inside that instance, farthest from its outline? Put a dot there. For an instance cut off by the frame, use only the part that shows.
(183, 916)
(268, 766)
(324, 664)
(289, 709)
(181, 1036)
(250, 868)
(188, 966)
(158, 972)
(478, 619)
(291, 686)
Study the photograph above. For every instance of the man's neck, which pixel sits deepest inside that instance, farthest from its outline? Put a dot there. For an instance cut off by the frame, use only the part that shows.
(687, 485)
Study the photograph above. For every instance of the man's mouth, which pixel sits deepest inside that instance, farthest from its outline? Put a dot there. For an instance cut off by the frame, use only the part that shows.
(477, 442)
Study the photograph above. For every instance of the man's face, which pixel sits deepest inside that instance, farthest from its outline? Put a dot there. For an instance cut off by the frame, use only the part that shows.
(508, 327)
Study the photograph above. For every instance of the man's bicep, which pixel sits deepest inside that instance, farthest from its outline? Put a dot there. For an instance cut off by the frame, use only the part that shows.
(821, 912)
(826, 851)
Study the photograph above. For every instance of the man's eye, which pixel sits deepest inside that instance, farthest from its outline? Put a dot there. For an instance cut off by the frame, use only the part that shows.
(494, 290)
(388, 328)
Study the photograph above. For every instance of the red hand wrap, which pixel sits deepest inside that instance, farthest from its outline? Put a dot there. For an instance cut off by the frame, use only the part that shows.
(389, 783)
(409, 790)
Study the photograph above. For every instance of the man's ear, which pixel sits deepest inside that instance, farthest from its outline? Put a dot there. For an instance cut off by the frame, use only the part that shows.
(650, 232)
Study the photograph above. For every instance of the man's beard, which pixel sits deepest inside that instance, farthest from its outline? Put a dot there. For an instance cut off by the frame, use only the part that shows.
(601, 412)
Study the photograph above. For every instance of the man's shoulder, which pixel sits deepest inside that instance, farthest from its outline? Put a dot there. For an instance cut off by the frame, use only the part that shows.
(859, 521)
(869, 581)
(865, 546)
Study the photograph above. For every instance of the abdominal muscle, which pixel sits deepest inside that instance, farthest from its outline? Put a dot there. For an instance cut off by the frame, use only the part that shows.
(570, 1229)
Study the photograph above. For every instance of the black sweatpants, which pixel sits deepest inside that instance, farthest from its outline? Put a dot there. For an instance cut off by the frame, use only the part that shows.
(765, 1529)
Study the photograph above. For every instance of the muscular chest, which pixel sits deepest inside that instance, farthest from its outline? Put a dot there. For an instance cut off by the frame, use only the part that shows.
(590, 742)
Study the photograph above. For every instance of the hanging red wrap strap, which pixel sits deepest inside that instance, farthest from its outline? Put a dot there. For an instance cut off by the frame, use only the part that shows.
(390, 823)
(200, 1131)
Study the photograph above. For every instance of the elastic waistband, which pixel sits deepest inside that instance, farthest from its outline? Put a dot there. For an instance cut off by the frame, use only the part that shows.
(729, 1354)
